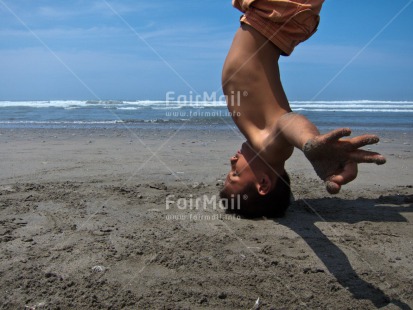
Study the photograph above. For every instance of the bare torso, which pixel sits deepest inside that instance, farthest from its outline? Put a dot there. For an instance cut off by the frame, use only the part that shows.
(259, 96)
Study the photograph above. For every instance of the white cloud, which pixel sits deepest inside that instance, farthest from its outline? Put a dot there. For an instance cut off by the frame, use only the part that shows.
(123, 8)
(59, 32)
(96, 8)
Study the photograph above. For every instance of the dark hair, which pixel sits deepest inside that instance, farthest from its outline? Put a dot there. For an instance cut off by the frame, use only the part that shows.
(251, 204)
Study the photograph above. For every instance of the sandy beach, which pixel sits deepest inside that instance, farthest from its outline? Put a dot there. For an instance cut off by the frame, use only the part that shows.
(85, 224)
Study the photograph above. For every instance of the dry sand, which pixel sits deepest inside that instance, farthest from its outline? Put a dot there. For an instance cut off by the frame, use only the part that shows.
(84, 225)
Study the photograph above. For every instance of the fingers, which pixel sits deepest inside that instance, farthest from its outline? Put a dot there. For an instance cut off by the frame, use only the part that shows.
(337, 134)
(332, 188)
(348, 174)
(363, 140)
(361, 156)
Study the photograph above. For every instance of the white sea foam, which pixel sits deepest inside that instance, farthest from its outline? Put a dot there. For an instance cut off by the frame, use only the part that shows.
(336, 105)
(60, 122)
(43, 104)
(354, 110)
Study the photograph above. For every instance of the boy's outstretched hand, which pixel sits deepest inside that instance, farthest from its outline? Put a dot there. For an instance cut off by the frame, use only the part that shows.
(335, 160)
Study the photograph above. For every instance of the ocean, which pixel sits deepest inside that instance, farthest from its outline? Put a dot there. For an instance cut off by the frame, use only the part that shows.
(362, 115)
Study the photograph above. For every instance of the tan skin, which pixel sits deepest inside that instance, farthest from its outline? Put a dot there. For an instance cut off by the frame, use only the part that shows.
(264, 117)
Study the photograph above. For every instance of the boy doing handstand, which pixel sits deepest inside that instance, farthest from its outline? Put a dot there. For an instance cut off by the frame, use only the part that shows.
(269, 29)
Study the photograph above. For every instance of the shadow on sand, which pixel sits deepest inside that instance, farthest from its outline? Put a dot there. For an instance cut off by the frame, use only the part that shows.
(334, 210)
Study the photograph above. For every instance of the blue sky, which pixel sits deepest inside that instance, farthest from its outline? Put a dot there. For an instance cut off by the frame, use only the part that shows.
(132, 50)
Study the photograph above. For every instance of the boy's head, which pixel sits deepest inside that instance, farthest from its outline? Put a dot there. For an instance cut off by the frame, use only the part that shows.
(262, 191)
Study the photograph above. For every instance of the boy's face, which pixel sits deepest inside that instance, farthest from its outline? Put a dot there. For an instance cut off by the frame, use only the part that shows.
(241, 173)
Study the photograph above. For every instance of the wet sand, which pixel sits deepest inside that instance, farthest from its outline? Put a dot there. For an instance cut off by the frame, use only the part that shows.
(90, 219)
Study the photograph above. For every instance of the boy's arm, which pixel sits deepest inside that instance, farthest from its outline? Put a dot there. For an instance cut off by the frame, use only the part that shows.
(333, 158)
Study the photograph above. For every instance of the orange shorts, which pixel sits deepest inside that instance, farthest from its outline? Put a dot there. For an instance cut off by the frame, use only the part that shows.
(286, 23)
